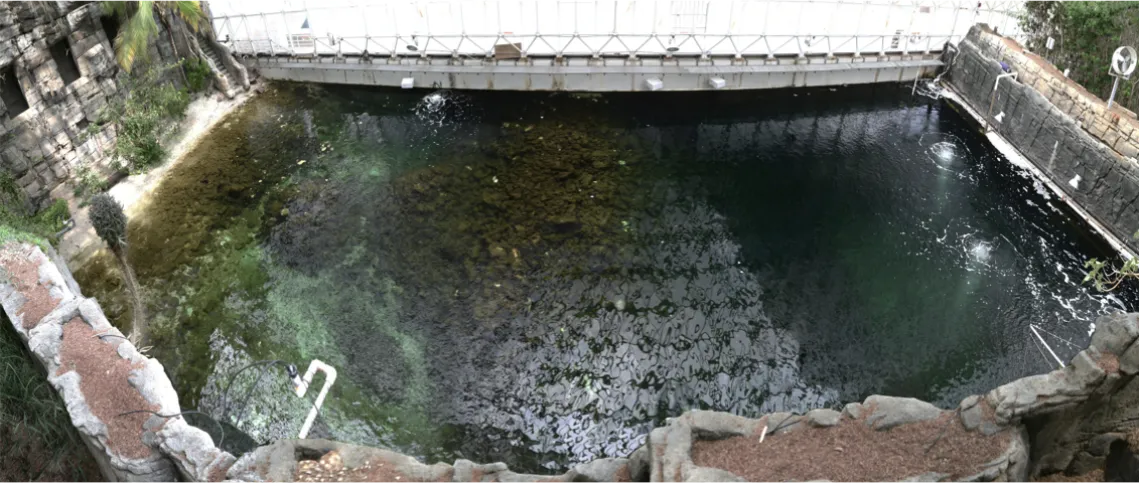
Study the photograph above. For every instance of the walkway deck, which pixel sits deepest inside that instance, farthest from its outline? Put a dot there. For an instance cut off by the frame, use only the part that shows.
(599, 74)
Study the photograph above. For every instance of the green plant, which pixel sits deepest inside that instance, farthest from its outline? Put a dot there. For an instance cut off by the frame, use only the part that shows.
(109, 221)
(111, 225)
(1106, 278)
(138, 26)
(141, 119)
(38, 439)
(88, 181)
(197, 74)
(17, 222)
(1085, 34)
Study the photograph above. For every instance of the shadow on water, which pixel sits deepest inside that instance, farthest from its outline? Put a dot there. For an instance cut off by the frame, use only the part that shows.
(540, 278)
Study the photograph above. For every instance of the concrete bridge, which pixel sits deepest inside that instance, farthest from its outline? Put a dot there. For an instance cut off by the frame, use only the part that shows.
(603, 45)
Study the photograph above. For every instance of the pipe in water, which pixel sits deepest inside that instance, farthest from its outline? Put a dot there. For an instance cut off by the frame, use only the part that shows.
(1033, 328)
(302, 387)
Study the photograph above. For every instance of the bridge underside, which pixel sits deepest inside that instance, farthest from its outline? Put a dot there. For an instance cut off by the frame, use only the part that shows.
(599, 74)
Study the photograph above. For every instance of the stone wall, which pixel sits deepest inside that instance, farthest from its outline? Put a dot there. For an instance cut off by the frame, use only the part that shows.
(1087, 150)
(120, 401)
(46, 144)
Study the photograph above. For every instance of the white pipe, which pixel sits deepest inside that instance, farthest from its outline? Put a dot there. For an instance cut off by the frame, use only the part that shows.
(1033, 328)
(1011, 74)
(300, 389)
(993, 97)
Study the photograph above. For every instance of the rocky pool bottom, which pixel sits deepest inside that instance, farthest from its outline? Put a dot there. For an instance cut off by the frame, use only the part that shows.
(1075, 421)
(542, 279)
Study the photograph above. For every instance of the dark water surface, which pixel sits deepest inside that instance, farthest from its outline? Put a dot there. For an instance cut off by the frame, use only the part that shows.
(540, 279)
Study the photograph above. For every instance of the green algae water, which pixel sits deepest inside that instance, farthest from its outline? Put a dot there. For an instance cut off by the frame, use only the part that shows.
(541, 278)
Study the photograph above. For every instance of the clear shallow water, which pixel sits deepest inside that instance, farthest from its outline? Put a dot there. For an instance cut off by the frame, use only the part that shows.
(540, 278)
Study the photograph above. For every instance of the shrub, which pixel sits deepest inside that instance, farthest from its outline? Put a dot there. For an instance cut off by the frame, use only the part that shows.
(1085, 35)
(17, 222)
(108, 219)
(88, 181)
(39, 443)
(147, 113)
(198, 74)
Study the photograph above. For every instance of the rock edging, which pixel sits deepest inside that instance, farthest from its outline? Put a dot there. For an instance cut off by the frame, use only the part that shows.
(1073, 419)
(112, 392)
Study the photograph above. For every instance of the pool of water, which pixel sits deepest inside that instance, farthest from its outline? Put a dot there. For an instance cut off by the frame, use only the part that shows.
(541, 278)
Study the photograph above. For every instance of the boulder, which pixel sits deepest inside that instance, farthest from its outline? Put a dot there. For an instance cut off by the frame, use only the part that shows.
(822, 417)
(853, 410)
(888, 411)
(977, 415)
(605, 469)
(931, 476)
(701, 473)
(718, 425)
(1114, 333)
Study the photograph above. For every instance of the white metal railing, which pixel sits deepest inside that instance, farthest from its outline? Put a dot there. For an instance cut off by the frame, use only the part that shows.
(470, 28)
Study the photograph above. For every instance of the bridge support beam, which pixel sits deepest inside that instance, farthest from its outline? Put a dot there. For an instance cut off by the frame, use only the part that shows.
(604, 74)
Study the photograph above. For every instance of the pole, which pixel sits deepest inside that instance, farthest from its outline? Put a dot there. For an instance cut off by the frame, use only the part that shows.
(1050, 349)
(1111, 97)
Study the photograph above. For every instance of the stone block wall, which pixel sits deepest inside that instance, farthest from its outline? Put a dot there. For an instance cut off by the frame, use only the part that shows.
(46, 144)
(1069, 134)
(120, 401)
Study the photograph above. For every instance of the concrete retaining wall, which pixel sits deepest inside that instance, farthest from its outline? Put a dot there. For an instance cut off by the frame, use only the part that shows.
(1070, 135)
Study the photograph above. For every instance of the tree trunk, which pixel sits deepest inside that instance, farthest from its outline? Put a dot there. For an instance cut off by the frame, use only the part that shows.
(139, 335)
(174, 47)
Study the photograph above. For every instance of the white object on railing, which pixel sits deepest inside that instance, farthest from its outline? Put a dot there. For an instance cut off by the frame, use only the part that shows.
(717, 82)
(303, 387)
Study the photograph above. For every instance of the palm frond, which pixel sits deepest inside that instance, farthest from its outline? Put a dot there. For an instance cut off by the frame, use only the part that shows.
(117, 9)
(132, 41)
(190, 12)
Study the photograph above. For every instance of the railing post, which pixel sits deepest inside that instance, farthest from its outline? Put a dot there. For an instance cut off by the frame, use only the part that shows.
(288, 36)
(248, 36)
(265, 23)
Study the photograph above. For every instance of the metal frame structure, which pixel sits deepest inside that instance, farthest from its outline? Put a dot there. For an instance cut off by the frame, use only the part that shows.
(472, 29)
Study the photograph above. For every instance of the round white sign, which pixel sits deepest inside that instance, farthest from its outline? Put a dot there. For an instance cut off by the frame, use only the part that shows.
(1124, 61)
